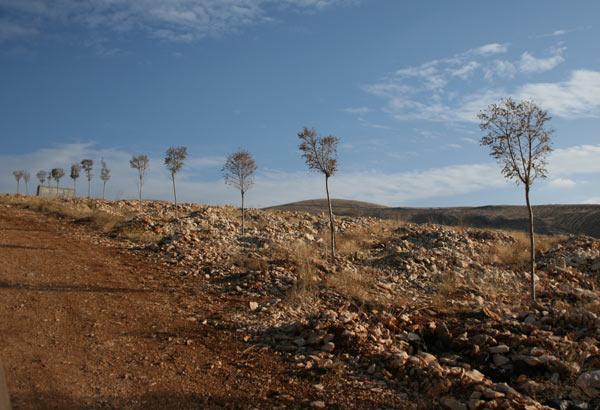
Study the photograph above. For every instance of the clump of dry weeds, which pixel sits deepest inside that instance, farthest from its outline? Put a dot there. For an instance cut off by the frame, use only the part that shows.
(305, 289)
(360, 286)
(516, 254)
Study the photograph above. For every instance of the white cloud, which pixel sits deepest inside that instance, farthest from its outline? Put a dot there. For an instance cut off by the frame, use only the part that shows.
(577, 97)
(435, 90)
(562, 183)
(357, 110)
(171, 20)
(501, 69)
(466, 70)
(578, 159)
(492, 48)
(531, 64)
(592, 201)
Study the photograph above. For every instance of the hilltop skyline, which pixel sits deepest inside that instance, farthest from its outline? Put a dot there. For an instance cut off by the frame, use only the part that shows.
(399, 84)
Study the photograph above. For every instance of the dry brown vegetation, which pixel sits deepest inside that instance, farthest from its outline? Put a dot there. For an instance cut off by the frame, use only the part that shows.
(516, 254)
(360, 286)
(307, 275)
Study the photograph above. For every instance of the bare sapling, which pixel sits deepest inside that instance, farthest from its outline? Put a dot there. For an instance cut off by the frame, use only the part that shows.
(320, 154)
(238, 172)
(518, 138)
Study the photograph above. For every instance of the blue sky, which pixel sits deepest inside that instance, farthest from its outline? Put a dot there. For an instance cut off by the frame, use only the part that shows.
(400, 83)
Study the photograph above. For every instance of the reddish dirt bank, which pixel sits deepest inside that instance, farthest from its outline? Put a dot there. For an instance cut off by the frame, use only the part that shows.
(88, 324)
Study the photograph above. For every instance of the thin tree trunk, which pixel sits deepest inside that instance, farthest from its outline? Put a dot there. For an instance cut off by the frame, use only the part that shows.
(331, 221)
(103, 189)
(26, 188)
(89, 187)
(531, 243)
(57, 182)
(74, 187)
(18, 187)
(140, 190)
(242, 213)
(174, 190)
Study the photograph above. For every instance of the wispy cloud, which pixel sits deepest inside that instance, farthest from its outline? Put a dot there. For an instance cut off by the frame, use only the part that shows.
(492, 48)
(532, 64)
(562, 32)
(357, 110)
(577, 97)
(168, 20)
(11, 30)
(446, 90)
(578, 159)
(562, 183)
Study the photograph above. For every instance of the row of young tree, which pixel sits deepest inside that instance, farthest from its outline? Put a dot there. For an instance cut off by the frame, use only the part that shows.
(57, 174)
(515, 132)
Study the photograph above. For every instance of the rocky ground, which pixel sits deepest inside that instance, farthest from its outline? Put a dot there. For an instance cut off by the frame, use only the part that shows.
(407, 316)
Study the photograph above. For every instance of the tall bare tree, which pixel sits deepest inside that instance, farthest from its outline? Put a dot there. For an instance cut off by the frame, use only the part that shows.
(140, 163)
(18, 176)
(104, 176)
(57, 174)
(239, 171)
(520, 141)
(26, 178)
(42, 176)
(75, 172)
(320, 154)
(87, 165)
(174, 160)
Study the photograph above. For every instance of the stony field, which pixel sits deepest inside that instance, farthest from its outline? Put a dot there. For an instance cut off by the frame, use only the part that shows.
(408, 316)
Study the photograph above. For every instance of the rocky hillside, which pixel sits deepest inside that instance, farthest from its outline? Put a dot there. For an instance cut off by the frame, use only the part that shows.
(408, 316)
(549, 219)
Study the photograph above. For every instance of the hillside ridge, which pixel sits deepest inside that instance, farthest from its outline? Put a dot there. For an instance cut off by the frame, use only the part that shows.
(573, 219)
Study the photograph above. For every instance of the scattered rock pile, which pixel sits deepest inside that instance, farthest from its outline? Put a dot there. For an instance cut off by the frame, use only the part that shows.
(425, 312)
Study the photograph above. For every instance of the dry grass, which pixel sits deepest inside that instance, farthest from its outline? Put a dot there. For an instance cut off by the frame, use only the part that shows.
(359, 286)
(353, 243)
(516, 254)
(139, 235)
(249, 262)
(448, 284)
(594, 307)
(307, 276)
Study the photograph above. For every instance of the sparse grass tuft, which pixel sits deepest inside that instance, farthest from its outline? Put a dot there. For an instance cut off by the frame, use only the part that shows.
(250, 262)
(359, 286)
(516, 254)
(138, 235)
(307, 278)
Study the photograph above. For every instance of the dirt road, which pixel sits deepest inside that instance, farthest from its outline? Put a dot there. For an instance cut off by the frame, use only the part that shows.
(88, 325)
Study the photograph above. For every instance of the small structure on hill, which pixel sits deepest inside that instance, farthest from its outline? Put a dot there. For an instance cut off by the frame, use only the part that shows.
(54, 192)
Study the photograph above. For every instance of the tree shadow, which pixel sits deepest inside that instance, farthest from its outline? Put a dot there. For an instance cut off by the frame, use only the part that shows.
(36, 248)
(24, 230)
(154, 400)
(62, 287)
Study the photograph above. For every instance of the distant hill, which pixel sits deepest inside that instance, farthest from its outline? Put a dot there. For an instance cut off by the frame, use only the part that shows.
(548, 219)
